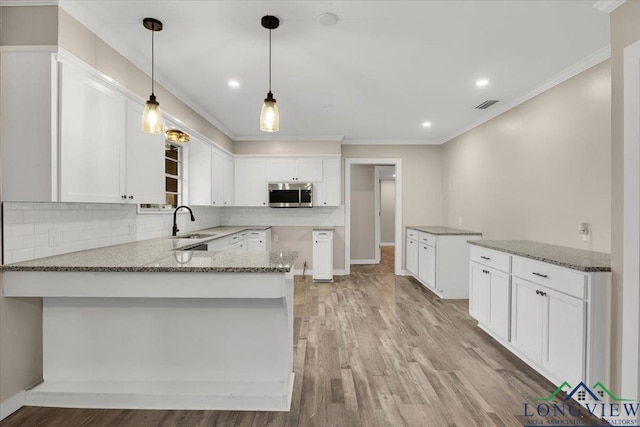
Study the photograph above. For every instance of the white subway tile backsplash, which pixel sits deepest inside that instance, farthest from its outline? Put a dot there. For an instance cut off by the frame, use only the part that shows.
(23, 254)
(36, 240)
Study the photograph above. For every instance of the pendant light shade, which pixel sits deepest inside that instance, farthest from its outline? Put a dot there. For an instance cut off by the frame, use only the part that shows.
(269, 116)
(152, 116)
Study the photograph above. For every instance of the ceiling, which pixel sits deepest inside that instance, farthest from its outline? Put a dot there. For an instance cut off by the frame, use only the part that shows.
(375, 76)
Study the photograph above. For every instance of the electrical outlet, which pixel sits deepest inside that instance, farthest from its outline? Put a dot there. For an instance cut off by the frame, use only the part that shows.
(584, 229)
(275, 238)
(459, 220)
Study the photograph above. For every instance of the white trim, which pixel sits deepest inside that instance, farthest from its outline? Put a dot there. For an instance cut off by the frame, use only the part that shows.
(12, 404)
(30, 48)
(631, 243)
(28, 3)
(283, 138)
(595, 58)
(608, 6)
(348, 141)
(364, 261)
(287, 155)
(347, 202)
(388, 244)
(377, 211)
(298, 272)
(405, 273)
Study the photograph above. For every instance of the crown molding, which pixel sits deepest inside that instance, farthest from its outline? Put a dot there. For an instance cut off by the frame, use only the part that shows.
(608, 6)
(281, 138)
(28, 3)
(389, 142)
(584, 64)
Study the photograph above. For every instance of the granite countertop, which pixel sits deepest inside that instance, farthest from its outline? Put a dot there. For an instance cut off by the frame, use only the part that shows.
(575, 259)
(164, 254)
(444, 231)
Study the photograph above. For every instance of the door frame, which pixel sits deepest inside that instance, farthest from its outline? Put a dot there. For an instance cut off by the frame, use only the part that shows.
(630, 385)
(347, 202)
(378, 209)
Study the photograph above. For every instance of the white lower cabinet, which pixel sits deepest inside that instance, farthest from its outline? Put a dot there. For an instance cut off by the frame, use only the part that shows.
(489, 298)
(322, 255)
(259, 240)
(427, 264)
(553, 318)
(412, 256)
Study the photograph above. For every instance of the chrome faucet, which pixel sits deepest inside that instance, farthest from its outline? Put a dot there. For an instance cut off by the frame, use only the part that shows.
(175, 225)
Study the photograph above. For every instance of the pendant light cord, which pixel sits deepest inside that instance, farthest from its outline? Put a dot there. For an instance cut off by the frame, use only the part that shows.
(152, 63)
(269, 60)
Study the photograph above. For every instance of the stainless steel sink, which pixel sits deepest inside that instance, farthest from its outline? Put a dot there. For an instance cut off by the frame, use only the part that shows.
(195, 236)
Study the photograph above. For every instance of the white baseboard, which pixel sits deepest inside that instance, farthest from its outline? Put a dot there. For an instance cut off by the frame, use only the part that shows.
(405, 273)
(388, 244)
(11, 405)
(298, 272)
(364, 261)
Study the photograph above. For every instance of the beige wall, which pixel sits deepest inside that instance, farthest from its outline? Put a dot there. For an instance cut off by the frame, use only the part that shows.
(291, 238)
(387, 211)
(33, 26)
(539, 169)
(84, 44)
(624, 32)
(287, 147)
(363, 212)
(421, 179)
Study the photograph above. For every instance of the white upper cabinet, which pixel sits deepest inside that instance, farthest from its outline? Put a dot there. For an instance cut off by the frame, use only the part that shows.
(92, 137)
(295, 169)
(328, 192)
(199, 173)
(228, 183)
(217, 178)
(251, 182)
(145, 160)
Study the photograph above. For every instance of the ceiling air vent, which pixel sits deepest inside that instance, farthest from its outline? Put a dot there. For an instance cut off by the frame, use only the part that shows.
(486, 104)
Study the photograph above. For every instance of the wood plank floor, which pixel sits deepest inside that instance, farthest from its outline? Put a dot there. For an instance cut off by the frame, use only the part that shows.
(371, 349)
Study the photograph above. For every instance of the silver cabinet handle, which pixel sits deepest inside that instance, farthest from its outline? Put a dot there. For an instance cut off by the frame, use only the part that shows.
(485, 257)
(540, 275)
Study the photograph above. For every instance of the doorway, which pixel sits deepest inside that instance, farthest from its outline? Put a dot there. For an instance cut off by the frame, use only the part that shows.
(354, 200)
(384, 211)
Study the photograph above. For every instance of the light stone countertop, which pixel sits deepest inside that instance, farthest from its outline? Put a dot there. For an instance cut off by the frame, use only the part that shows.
(575, 259)
(444, 231)
(164, 254)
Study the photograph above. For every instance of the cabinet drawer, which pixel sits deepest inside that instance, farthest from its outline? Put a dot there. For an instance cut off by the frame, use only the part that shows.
(256, 233)
(428, 239)
(550, 276)
(497, 260)
(412, 234)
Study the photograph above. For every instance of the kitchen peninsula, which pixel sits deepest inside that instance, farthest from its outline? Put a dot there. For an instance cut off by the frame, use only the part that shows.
(151, 324)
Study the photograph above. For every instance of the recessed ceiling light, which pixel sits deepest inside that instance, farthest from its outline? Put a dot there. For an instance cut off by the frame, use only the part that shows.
(328, 19)
(482, 82)
(234, 83)
(426, 124)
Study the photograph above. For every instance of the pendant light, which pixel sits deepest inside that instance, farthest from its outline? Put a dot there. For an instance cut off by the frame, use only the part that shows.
(269, 117)
(152, 117)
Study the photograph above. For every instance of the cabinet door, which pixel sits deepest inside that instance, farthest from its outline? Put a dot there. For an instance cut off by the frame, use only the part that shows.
(251, 182)
(323, 259)
(499, 304)
(564, 341)
(431, 267)
(479, 296)
(199, 173)
(309, 170)
(91, 143)
(332, 182)
(281, 170)
(144, 159)
(423, 262)
(256, 244)
(527, 319)
(217, 178)
(228, 182)
(412, 257)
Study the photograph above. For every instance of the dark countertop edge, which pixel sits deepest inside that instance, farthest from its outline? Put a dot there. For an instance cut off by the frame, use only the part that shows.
(149, 269)
(460, 233)
(543, 259)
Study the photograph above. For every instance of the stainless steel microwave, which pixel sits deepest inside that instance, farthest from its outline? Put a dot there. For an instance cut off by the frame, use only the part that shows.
(290, 195)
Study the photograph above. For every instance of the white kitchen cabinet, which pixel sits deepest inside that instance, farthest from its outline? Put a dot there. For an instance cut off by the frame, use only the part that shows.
(328, 192)
(228, 197)
(251, 182)
(92, 146)
(322, 255)
(489, 298)
(199, 173)
(442, 259)
(259, 240)
(144, 160)
(217, 178)
(412, 256)
(557, 317)
(294, 169)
